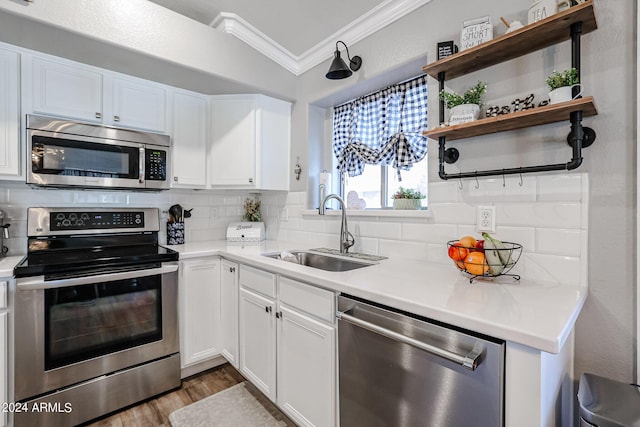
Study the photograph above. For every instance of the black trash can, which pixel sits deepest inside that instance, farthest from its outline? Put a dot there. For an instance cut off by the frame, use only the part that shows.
(608, 403)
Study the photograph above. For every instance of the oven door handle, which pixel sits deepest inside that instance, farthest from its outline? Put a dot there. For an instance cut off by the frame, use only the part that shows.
(38, 282)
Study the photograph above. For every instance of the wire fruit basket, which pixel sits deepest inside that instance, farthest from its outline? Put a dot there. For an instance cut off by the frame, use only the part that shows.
(485, 262)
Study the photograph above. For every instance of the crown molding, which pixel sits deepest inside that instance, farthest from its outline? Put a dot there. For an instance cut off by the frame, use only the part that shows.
(382, 15)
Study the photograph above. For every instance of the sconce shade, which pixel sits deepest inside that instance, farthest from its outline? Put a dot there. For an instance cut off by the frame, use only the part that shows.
(338, 69)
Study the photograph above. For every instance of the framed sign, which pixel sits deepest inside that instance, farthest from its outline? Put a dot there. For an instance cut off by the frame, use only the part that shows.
(475, 31)
(446, 49)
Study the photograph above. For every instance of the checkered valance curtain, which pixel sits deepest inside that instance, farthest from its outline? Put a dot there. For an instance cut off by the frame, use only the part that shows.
(384, 127)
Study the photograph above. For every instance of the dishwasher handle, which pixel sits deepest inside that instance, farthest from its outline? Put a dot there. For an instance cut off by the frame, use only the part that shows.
(469, 361)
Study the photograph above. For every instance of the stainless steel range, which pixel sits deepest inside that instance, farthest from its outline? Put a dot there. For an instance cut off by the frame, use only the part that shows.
(95, 314)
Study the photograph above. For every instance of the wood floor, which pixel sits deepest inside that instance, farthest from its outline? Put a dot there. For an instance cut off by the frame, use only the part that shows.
(155, 412)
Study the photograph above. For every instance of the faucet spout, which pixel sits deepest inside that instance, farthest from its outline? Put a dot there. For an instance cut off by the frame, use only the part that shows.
(346, 239)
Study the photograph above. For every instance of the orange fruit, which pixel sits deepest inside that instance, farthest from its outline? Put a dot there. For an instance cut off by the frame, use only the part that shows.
(476, 264)
(468, 242)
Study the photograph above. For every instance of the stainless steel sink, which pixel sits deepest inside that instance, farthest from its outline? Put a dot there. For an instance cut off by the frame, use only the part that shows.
(316, 260)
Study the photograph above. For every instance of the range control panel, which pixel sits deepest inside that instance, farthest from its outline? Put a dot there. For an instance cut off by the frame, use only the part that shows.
(93, 220)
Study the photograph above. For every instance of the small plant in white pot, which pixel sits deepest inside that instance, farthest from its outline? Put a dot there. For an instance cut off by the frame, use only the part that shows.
(466, 107)
(407, 199)
(561, 85)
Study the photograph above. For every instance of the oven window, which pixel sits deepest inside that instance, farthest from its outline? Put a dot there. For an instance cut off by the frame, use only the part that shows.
(83, 322)
(57, 156)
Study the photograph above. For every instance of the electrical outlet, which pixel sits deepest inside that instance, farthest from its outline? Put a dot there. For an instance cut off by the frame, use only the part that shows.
(486, 219)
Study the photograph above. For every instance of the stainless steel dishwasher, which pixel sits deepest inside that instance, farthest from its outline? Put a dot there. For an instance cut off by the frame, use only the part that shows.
(397, 369)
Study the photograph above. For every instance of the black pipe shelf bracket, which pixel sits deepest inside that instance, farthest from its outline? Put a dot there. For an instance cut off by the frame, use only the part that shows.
(578, 138)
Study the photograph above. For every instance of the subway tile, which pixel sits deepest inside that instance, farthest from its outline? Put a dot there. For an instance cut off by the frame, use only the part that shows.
(100, 198)
(380, 230)
(443, 192)
(429, 233)
(556, 241)
(313, 225)
(363, 245)
(323, 240)
(453, 213)
(403, 250)
(564, 187)
(497, 190)
(552, 215)
(524, 236)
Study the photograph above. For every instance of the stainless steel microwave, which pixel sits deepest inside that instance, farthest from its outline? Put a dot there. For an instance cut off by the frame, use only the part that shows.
(67, 153)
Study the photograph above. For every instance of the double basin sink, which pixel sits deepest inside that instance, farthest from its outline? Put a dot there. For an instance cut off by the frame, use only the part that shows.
(318, 260)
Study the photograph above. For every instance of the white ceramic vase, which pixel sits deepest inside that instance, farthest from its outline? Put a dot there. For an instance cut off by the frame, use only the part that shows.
(463, 113)
(563, 94)
(407, 204)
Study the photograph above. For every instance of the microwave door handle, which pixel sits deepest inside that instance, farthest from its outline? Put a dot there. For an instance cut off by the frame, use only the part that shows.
(141, 170)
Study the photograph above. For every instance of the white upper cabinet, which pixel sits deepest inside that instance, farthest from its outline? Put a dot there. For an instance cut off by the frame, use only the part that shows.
(136, 103)
(250, 144)
(9, 114)
(190, 112)
(58, 87)
(62, 89)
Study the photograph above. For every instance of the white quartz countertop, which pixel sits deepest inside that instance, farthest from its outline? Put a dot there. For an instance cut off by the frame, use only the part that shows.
(7, 264)
(540, 315)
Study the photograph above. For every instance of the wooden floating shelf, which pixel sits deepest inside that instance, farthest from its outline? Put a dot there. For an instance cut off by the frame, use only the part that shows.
(521, 119)
(527, 39)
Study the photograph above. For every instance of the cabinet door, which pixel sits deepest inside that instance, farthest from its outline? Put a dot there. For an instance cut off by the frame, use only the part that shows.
(62, 89)
(273, 144)
(306, 369)
(189, 139)
(9, 114)
(258, 341)
(137, 104)
(4, 339)
(229, 311)
(233, 149)
(199, 310)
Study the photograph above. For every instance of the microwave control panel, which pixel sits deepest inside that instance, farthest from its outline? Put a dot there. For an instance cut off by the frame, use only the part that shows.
(95, 220)
(155, 165)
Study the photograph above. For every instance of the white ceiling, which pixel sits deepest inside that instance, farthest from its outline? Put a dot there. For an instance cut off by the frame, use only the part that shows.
(297, 25)
(297, 34)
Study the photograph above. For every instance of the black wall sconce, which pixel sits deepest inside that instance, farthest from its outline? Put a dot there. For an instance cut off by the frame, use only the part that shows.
(339, 69)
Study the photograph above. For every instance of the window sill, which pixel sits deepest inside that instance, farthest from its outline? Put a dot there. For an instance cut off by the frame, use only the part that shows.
(375, 213)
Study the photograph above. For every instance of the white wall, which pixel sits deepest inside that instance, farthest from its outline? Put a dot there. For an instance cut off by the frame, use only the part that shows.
(605, 330)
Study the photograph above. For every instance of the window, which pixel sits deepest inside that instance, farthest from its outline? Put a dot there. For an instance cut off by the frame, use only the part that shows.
(378, 142)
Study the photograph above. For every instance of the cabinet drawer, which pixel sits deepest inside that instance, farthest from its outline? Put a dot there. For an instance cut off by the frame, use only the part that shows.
(3, 294)
(310, 299)
(258, 280)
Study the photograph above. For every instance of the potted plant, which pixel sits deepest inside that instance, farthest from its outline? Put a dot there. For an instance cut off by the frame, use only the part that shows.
(407, 199)
(561, 84)
(466, 107)
(252, 210)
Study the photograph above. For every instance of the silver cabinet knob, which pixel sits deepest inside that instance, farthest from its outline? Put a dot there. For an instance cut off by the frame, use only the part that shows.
(98, 115)
(116, 118)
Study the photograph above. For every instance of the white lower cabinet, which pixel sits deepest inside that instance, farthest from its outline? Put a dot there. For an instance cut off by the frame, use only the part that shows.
(4, 392)
(4, 350)
(288, 344)
(229, 311)
(306, 368)
(199, 310)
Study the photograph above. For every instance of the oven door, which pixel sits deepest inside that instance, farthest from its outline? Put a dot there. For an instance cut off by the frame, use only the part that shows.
(75, 329)
(70, 160)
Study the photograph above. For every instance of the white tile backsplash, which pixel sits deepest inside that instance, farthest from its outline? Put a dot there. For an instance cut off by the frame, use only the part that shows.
(547, 215)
